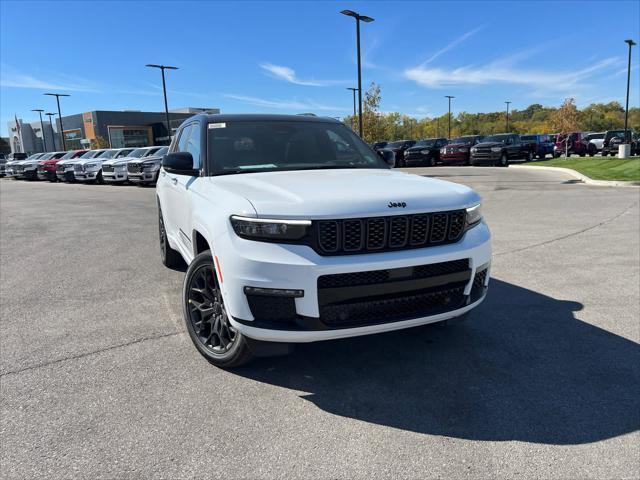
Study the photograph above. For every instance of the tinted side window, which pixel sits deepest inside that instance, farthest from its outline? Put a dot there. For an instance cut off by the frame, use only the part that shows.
(193, 145)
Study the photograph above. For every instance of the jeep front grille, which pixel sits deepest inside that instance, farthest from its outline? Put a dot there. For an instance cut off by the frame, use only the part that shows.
(363, 235)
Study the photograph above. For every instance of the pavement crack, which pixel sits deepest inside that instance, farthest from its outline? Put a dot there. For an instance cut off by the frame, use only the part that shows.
(88, 354)
(569, 235)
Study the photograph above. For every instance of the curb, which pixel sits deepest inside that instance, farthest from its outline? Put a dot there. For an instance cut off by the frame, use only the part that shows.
(580, 176)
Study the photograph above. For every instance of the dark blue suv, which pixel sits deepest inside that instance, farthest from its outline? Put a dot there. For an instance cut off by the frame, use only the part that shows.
(541, 144)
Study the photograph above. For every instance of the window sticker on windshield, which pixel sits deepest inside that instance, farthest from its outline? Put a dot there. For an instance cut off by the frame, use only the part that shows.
(217, 125)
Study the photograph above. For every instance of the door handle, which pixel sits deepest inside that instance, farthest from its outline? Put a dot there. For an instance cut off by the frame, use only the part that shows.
(174, 180)
(163, 173)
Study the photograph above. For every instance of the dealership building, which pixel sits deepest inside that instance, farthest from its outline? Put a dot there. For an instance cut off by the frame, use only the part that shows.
(128, 128)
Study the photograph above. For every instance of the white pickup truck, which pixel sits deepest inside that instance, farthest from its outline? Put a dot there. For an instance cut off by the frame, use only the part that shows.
(294, 230)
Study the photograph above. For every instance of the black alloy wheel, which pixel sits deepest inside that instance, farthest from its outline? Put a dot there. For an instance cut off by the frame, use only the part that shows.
(431, 162)
(504, 161)
(206, 316)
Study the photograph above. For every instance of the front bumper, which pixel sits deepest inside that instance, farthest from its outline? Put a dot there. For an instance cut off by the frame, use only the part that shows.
(143, 177)
(46, 174)
(298, 267)
(65, 176)
(85, 176)
(454, 157)
(114, 177)
(491, 157)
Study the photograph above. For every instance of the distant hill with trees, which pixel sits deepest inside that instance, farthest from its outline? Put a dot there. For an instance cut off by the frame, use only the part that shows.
(533, 119)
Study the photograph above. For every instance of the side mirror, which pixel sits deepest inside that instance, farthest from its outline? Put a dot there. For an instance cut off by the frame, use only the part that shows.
(180, 163)
(388, 156)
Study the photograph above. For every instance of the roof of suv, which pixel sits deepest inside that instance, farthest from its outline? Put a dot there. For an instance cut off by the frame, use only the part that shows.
(258, 117)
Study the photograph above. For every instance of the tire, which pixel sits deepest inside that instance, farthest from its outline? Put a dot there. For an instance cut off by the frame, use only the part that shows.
(542, 156)
(431, 162)
(170, 257)
(504, 161)
(583, 154)
(99, 179)
(206, 318)
(53, 178)
(556, 155)
(529, 157)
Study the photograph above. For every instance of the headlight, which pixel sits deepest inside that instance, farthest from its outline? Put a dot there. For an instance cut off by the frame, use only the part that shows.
(121, 168)
(424, 152)
(474, 150)
(463, 149)
(89, 166)
(474, 216)
(443, 150)
(267, 229)
(152, 168)
(496, 149)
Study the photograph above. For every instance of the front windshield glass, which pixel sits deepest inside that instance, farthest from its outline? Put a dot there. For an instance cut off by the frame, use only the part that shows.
(259, 146)
(138, 152)
(496, 138)
(425, 143)
(91, 154)
(162, 151)
(107, 154)
(46, 156)
(68, 155)
(464, 140)
(395, 144)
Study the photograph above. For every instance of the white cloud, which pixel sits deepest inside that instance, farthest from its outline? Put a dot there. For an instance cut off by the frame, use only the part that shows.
(279, 104)
(10, 78)
(451, 45)
(506, 72)
(289, 75)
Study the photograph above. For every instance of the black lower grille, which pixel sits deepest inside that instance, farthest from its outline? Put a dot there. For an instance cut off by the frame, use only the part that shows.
(362, 235)
(379, 296)
(107, 168)
(134, 167)
(265, 308)
(477, 289)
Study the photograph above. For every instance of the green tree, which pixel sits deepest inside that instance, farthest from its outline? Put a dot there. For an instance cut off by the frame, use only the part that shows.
(99, 142)
(565, 119)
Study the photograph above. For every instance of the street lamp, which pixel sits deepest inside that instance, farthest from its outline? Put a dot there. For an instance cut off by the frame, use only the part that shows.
(58, 95)
(44, 140)
(631, 43)
(53, 135)
(507, 102)
(354, 90)
(449, 97)
(364, 18)
(164, 90)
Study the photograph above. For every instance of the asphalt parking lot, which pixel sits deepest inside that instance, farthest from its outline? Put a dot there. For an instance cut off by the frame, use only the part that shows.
(99, 378)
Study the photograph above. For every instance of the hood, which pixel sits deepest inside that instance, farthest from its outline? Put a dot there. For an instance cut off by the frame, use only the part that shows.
(460, 145)
(50, 161)
(151, 159)
(489, 144)
(315, 194)
(83, 161)
(417, 149)
(119, 161)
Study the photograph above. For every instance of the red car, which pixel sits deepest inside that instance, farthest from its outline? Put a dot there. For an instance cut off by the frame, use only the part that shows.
(578, 145)
(47, 168)
(458, 150)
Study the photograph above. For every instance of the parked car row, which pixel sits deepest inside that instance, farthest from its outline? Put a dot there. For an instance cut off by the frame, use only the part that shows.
(501, 149)
(112, 165)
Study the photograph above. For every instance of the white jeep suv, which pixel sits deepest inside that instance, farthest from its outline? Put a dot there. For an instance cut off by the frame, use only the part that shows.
(294, 230)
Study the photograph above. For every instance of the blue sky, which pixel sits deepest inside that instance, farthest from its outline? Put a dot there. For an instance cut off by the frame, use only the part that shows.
(293, 57)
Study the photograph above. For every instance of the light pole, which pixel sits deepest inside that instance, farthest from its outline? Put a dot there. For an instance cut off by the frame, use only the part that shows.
(44, 140)
(507, 102)
(449, 97)
(164, 91)
(53, 135)
(631, 43)
(364, 18)
(58, 95)
(354, 90)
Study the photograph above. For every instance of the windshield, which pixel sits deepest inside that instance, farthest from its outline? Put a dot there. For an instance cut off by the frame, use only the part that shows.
(596, 136)
(496, 138)
(68, 155)
(243, 147)
(138, 152)
(425, 143)
(615, 133)
(46, 156)
(91, 153)
(107, 154)
(464, 140)
(396, 144)
(162, 151)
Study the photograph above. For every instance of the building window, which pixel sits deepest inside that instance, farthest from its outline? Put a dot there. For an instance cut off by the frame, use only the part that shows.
(121, 137)
(72, 139)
